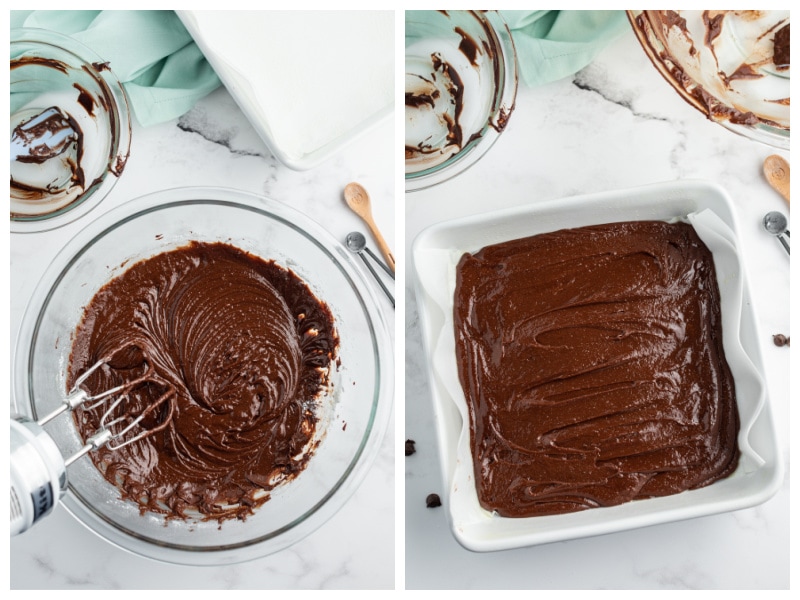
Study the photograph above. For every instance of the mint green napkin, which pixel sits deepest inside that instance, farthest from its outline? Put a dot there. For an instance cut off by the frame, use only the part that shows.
(553, 44)
(151, 53)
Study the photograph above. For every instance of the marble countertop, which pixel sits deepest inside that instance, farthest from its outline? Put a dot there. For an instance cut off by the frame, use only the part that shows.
(615, 125)
(214, 145)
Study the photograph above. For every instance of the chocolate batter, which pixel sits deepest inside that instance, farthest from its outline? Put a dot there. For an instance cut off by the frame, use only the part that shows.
(593, 368)
(239, 348)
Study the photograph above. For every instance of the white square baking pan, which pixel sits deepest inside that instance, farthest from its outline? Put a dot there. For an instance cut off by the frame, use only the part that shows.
(435, 254)
(309, 82)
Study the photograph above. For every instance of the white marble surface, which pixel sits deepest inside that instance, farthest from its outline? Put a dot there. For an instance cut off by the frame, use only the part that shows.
(615, 125)
(214, 145)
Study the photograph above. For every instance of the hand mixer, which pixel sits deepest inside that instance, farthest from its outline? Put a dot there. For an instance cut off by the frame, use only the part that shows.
(39, 470)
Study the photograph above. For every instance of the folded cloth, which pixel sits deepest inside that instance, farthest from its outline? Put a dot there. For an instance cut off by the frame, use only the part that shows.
(553, 44)
(151, 53)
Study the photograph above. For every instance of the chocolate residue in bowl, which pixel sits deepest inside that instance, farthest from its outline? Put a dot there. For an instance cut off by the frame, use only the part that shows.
(718, 111)
(243, 348)
(46, 135)
(456, 89)
(442, 91)
(721, 62)
(780, 54)
(503, 115)
(41, 61)
(60, 182)
(85, 99)
(455, 86)
(422, 92)
(468, 47)
(744, 71)
(713, 22)
(33, 187)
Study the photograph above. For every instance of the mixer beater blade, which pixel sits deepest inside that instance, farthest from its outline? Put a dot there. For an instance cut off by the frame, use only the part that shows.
(115, 427)
(38, 469)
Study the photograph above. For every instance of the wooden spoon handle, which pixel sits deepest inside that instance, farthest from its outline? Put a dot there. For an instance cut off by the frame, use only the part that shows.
(358, 201)
(382, 245)
(776, 170)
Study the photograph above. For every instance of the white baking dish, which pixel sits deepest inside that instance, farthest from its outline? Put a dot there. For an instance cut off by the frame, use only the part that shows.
(309, 82)
(435, 254)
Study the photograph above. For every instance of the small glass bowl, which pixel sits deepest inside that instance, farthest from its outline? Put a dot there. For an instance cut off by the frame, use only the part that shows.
(461, 85)
(721, 63)
(53, 70)
(354, 413)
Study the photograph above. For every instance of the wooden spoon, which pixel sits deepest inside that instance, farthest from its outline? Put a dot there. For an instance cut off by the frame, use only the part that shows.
(358, 200)
(776, 170)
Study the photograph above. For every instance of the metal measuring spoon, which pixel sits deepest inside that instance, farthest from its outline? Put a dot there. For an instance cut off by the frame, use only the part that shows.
(357, 244)
(358, 200)
(776, 224)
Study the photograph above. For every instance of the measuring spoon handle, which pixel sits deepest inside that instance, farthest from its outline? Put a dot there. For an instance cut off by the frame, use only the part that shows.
(784, 242)
(377, 278)
(381, 264)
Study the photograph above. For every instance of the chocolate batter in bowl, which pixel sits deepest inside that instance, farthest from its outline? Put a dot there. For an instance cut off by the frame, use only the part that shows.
(227, 483)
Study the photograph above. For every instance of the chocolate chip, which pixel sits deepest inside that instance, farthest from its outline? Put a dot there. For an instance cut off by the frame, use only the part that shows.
(780, 340)
(410, 447)
(433, 500)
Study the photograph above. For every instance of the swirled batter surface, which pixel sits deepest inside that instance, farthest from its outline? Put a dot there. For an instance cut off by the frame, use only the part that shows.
(593, 368)
(233, 351)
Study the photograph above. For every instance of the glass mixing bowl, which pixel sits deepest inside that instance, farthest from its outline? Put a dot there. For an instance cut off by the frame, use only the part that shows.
(50, 70)
(725, 63)
(354, 413)
(460, 85)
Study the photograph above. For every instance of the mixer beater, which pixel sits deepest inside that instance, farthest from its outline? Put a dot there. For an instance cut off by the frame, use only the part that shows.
(39, 470)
